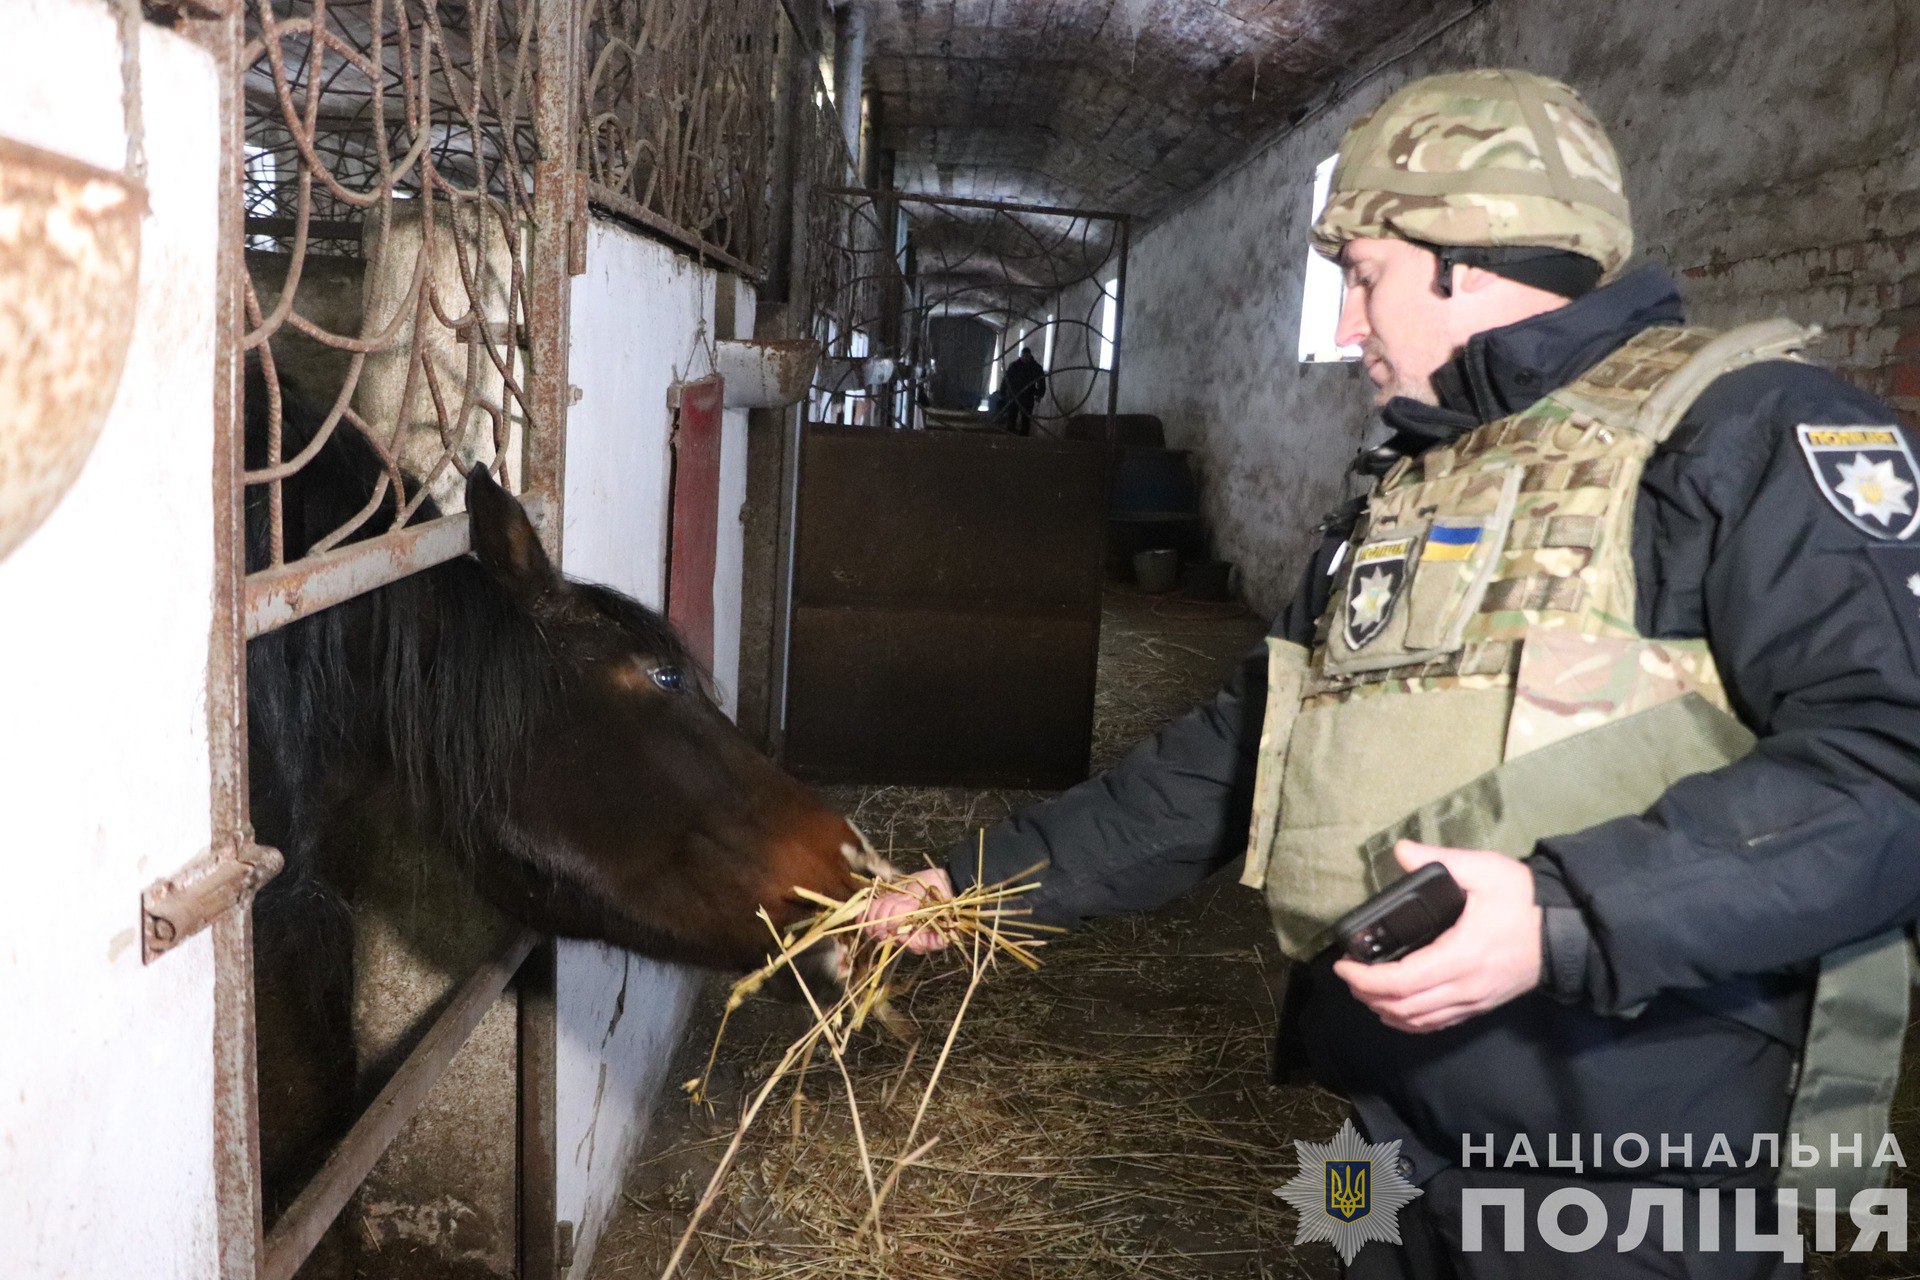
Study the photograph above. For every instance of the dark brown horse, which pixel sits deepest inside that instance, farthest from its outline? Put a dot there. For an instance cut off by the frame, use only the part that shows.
(555, 737)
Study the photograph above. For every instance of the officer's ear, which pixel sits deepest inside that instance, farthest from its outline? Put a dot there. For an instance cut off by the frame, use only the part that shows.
(1471, 279)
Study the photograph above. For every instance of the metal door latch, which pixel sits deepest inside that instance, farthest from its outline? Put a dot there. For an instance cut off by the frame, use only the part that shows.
(192, 898)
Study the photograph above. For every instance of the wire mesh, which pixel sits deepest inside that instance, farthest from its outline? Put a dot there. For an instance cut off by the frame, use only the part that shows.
(677, 117)
(389, 213)
(929, 302)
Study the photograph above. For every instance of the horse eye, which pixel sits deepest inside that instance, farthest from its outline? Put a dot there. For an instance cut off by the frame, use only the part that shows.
(668, 679)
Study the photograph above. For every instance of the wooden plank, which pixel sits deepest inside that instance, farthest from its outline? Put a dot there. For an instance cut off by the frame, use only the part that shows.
(313, 1211)
(946, 609)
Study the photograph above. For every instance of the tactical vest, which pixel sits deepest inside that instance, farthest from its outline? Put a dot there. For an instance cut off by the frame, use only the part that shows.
(1478, 681)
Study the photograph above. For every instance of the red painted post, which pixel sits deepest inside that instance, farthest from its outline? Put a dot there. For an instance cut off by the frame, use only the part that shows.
(693, 550)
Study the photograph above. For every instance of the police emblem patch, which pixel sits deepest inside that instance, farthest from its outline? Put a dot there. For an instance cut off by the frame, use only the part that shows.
(1868, 475)
(1373, 585)
(1347, 1180)
(1348, 1191)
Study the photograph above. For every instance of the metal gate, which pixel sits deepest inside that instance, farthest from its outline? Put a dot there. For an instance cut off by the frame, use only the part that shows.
(408, 186)
(899, 264)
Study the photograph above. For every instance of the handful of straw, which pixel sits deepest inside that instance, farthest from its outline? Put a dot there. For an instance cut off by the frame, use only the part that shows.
(978, 927)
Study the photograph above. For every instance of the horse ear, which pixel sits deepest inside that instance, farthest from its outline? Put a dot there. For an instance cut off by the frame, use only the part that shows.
(504, 539)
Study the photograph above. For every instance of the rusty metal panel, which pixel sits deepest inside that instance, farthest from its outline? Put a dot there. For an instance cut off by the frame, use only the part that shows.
(946, 619)
(693, 550)
(276, 597)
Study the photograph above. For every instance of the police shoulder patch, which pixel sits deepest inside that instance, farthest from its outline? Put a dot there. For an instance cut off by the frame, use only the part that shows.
(1867, 474)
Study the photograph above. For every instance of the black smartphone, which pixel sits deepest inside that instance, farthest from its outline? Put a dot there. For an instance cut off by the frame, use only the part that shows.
(1403, 917)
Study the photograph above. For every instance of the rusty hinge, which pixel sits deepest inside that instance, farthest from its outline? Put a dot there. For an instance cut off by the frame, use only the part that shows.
(192, 898)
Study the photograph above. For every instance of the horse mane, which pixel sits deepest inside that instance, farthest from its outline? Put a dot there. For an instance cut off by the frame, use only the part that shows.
(440, 673)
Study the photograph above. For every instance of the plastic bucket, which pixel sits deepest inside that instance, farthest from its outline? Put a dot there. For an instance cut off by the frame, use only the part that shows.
(1156, 571)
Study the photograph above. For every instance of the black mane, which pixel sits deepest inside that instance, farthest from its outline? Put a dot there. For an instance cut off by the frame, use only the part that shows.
(444, 673)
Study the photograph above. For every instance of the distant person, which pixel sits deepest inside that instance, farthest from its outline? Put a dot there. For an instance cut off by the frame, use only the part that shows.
(1024, 384)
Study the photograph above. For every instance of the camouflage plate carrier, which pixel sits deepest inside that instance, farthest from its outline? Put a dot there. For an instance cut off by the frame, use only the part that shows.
(1477, 681)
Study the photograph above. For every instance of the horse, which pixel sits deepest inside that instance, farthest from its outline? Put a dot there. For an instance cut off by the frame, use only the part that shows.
(555, 737)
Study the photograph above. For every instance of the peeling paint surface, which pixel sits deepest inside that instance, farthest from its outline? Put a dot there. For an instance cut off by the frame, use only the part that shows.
(1771, 159)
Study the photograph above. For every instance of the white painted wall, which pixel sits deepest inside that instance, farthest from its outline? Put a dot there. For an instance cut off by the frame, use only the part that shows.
(106, 1068)
(638, 317)
(730, 559)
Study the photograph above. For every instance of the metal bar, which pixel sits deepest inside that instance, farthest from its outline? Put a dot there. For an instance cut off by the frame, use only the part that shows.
(221, 31)
(538, 1089)
(627, 207)
(313, 1211)
(967, 203)
(795, 429)
(550, 266)
(276, 597)
(1119, 327)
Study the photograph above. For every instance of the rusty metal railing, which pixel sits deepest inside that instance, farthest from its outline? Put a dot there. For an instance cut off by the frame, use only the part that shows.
(899, 263)
(677, 119)
(412, 181)
(390, 153)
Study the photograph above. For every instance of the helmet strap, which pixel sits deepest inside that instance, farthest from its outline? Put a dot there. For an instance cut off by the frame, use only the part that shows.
(1560, 271)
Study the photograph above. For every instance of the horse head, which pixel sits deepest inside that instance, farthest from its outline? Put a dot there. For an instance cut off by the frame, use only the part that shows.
(642, 816)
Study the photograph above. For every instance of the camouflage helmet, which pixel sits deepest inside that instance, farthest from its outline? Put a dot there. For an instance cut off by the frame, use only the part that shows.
(1490, 158)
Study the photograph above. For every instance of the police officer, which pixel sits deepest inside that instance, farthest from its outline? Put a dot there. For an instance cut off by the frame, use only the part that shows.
(1627, 637)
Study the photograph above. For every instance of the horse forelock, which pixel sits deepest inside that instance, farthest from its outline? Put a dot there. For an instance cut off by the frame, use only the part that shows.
(645, 631)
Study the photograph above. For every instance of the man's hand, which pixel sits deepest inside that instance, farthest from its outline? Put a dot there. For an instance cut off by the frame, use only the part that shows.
(878, 920)
(1489, 956)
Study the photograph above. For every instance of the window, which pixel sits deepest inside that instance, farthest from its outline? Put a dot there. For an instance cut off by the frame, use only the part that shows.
(1109, 320)
(263, 197)
(1320, 297)
(1046, 358)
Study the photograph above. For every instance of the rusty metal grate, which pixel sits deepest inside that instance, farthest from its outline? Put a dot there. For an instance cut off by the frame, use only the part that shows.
(833, 245)
(390, 151)
(892, 265)
(677, 118)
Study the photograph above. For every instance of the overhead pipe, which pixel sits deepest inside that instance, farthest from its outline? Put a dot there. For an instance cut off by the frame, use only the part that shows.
(850, 71)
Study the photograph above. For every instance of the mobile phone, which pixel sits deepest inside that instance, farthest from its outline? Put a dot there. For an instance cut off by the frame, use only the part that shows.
(1401, 918)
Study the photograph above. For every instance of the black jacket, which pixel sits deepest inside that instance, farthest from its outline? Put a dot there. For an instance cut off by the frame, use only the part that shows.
(1711, 908)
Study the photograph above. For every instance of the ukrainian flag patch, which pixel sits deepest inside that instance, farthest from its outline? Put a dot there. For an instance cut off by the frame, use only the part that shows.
(1451, 541)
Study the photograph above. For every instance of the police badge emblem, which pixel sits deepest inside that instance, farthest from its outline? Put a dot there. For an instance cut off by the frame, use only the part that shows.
(1868, 475)
(1373, 585)
(1347, 1188)
(1348, 1191)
